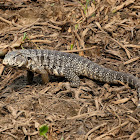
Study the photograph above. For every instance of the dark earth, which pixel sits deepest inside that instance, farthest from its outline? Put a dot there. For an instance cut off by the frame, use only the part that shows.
(105, 31)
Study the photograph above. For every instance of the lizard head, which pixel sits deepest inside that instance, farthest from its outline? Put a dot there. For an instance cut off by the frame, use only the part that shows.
(15, 59)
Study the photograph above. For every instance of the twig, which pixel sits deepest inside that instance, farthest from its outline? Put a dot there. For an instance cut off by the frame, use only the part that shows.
(42, 41)
(126, 3)
(27, 26)
(100, 137)
(71, 51)
(85, 115)
(6, 129)
(10, 135)
(132, 119)
(132, 137)
(82, 44)
(49, 25)
(132, 46)
(131, 60)
(94, 129)
(27, 133)
(9, 22)
(127, 52)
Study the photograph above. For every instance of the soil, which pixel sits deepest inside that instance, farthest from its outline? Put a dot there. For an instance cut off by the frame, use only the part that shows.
(106, 32)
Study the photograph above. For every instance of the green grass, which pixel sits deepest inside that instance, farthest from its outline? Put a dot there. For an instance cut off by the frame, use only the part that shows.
(43, 130)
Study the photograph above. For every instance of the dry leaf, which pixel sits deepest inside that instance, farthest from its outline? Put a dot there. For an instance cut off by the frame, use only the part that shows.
(120, 101)
(115, 53)
(90, 10)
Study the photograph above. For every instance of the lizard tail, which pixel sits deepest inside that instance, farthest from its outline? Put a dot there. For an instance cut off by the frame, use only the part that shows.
(97, 72)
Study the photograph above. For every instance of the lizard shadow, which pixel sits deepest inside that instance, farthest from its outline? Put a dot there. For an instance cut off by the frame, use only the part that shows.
(20, 83)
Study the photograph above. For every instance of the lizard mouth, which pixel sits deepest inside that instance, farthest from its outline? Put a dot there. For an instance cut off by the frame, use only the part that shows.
(4, 63)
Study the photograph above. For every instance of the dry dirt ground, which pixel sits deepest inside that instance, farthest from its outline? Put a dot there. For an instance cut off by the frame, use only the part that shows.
(105, 31)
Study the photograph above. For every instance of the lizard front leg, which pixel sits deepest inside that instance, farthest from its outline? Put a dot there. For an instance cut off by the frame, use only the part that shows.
(45, 77)
(30, 76)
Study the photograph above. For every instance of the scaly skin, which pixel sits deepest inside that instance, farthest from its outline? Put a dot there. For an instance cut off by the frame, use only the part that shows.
(70, 66)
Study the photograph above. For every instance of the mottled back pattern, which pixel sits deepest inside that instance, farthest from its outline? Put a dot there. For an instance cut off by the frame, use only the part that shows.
(70, 66)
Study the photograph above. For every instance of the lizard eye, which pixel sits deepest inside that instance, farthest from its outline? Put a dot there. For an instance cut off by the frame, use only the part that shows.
(29, 58)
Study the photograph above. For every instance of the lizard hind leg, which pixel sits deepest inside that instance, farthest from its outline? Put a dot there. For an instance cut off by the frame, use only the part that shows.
(72, 78)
